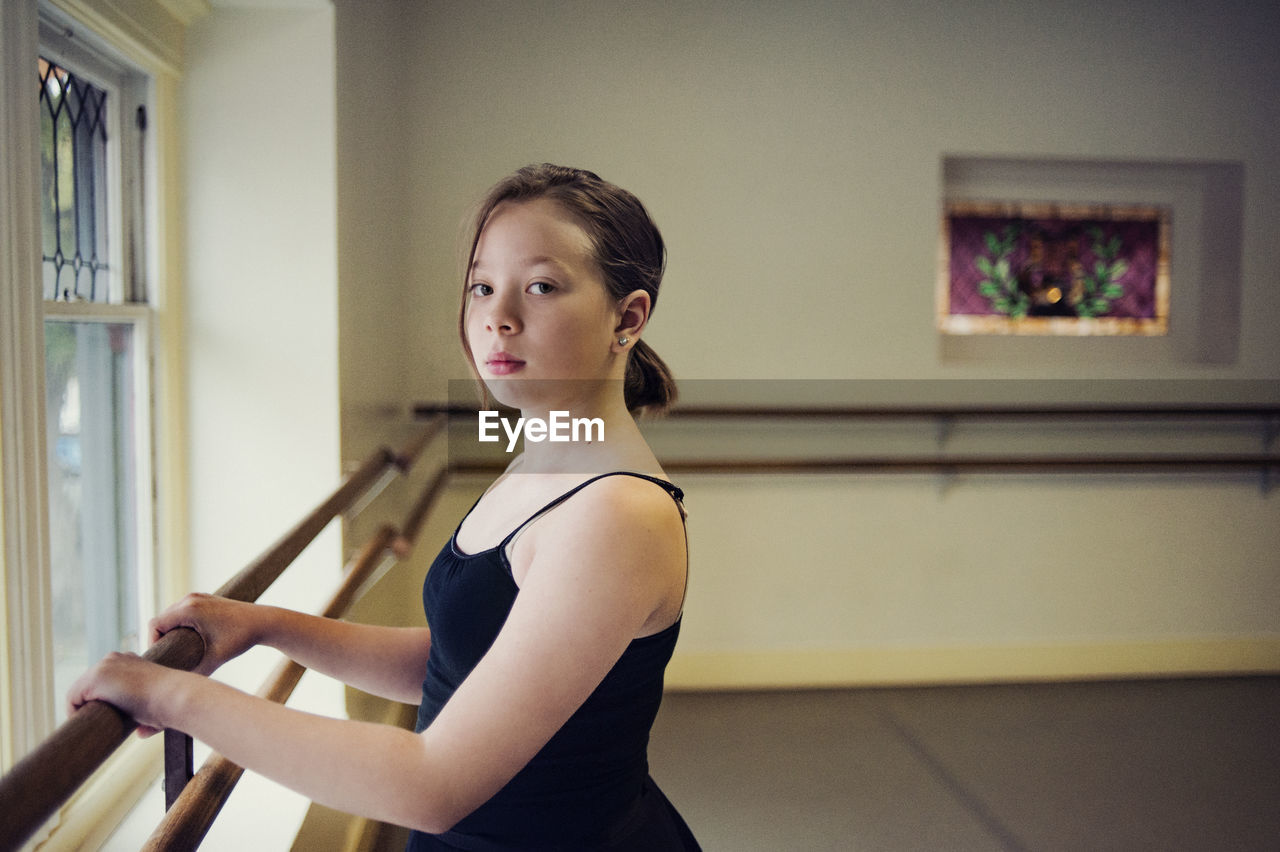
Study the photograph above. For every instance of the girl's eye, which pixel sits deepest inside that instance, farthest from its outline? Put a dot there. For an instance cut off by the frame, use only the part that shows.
(540, 288)
(478, 289)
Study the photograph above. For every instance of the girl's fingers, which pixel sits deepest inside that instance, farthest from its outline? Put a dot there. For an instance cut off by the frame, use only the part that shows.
(119, 679)
(185, 613)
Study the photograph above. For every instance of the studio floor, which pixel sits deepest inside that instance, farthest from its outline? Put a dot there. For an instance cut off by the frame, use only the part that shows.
(1191, 764)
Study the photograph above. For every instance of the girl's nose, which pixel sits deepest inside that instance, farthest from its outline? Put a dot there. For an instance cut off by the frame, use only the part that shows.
(503, 318)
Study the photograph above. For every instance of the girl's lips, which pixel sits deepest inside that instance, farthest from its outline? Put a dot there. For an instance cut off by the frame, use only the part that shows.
(503, 366)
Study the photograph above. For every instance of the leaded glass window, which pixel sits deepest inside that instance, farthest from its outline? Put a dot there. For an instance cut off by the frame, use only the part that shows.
(73, 118)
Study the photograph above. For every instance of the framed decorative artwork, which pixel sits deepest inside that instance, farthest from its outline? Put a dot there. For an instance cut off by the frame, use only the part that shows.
(1067, 269)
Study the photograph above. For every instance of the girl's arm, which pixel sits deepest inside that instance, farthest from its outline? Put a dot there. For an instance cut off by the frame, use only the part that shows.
(378, 771)
(390, 662)
(597, 572)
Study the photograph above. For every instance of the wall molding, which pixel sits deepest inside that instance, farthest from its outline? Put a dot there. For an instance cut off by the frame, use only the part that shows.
(953, 664)
(150, 32)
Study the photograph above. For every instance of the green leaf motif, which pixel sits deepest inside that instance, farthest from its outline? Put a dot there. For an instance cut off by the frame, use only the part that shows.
(1118, 269)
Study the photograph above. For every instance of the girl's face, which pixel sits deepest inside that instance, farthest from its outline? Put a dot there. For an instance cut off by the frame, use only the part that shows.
(537, 308)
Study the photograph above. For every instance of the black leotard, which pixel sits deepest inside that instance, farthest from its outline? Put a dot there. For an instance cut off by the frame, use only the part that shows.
(589, 787)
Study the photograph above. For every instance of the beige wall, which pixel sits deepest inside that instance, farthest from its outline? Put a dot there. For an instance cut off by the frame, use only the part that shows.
(793, 155)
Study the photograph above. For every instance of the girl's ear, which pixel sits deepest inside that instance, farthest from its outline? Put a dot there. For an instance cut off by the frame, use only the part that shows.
(633, 314)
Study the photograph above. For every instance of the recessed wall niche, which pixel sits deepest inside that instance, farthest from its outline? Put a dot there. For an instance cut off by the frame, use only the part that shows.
(1204, 201)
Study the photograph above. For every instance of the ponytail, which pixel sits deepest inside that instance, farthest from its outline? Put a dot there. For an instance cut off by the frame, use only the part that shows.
(649, 387)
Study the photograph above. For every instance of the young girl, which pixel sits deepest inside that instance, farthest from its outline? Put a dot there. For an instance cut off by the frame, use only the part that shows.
(553, 609)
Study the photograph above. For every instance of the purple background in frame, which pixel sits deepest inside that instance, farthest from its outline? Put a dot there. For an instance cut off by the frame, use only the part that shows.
(1140, 248)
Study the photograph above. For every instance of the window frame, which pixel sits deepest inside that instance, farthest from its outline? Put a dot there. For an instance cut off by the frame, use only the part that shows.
(145, 35)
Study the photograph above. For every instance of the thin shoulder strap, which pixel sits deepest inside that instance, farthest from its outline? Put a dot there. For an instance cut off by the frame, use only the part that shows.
(676, 494)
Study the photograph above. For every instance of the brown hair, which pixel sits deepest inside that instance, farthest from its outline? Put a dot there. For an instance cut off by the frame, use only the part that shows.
(628, 248)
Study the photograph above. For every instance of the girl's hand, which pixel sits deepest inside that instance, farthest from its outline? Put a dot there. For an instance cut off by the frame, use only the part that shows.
(228, 628)
(130, 683)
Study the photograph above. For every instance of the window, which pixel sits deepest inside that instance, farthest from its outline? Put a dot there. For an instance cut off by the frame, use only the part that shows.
(88, 289)
(97, 345)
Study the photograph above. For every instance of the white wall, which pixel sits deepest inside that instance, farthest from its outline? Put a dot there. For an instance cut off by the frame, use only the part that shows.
(262, 330)
(793, 155)
(262, 283)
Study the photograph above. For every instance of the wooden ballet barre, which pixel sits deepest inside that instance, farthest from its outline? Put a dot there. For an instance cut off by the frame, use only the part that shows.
(187, 822)
(43, 780)
(916, 410)
(1011, 411)
(1101, 463)
(408, 457)
(925, 461)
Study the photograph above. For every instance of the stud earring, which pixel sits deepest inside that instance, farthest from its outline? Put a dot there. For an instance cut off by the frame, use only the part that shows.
(622, 341)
